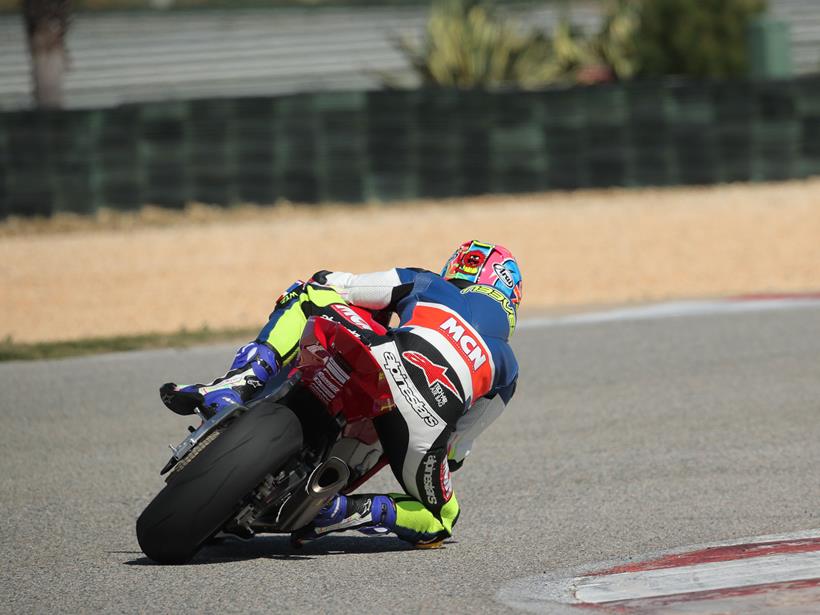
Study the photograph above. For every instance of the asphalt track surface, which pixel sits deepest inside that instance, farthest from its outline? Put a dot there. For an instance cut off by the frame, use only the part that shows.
(624, 438)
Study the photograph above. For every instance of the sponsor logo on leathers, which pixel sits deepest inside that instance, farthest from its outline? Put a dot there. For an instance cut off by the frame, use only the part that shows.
(433, 372)
(438, 394)
(253, 382)
(394, 367)
(459, 335)
(468, 344)
(291, 293)
(429, 488)
(497, 295)
(351, 315)
(444, 483)
(287, 297)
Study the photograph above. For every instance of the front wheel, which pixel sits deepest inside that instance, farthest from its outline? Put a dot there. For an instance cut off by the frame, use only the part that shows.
(201, 497)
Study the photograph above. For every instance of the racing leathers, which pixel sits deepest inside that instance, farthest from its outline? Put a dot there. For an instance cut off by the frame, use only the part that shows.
(451, 372)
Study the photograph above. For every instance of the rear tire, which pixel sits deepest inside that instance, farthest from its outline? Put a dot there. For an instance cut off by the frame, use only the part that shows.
(201, 497)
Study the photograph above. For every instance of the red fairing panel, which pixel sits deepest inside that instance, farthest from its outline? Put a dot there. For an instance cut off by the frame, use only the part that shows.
(339, 369)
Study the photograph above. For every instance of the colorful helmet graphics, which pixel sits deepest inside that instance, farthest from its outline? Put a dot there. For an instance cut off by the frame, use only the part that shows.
(486, 263)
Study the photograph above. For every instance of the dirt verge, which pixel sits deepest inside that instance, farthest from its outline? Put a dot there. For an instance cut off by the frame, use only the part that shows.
(73, 278)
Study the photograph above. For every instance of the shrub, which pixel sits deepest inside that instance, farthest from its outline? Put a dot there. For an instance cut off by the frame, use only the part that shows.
(468, 44)
(696, 38)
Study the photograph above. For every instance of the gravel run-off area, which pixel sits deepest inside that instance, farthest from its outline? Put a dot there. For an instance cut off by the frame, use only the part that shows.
(119, 274)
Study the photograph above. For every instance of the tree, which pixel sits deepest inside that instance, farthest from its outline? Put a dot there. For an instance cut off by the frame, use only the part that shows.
(46, 24)
(696, 38)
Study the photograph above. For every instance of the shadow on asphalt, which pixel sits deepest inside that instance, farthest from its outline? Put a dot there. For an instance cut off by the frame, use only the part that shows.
(278, 547)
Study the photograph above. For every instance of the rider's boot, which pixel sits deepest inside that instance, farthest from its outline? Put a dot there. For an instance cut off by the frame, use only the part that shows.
(377, 514)
(252, 366)
(369, 514)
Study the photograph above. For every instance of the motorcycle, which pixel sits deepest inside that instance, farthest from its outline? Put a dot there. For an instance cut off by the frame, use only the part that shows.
(270, 466)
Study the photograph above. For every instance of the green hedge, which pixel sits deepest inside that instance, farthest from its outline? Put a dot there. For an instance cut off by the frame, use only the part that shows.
(388, 145)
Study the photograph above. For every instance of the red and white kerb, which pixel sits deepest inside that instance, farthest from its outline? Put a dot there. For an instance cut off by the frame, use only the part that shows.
(777, 574)
(459, 343)
(733, 578)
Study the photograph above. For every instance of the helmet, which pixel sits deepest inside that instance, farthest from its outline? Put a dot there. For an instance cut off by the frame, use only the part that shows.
(486, 263)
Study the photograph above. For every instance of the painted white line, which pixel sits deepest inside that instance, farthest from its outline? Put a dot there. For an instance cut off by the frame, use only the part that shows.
(676, 309)
(698, 578)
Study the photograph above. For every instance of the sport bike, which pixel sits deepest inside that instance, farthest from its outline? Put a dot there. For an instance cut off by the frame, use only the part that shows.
(270, 466)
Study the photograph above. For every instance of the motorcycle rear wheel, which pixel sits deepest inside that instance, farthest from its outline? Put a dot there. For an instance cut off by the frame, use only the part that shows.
(201, 497)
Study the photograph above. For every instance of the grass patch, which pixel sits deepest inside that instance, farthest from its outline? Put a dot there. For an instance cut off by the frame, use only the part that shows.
(13, 351)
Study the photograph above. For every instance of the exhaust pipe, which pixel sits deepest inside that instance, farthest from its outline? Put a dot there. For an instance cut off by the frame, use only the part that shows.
(302, 507)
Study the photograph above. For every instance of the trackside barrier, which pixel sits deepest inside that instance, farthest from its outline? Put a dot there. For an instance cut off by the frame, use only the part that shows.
(389, 145)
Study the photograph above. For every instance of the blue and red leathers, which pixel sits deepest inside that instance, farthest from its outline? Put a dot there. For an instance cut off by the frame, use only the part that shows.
(451, 372)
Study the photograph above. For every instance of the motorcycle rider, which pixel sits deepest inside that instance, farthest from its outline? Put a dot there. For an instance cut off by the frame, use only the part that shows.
(451, 372)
